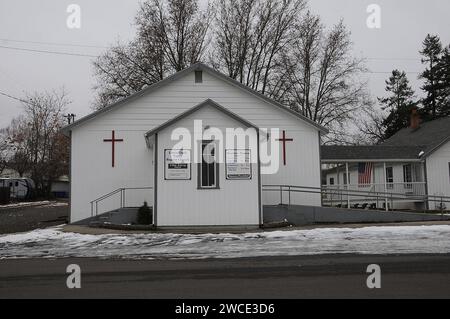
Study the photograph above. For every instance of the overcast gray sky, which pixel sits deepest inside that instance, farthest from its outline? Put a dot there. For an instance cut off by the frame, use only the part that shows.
(405, 23)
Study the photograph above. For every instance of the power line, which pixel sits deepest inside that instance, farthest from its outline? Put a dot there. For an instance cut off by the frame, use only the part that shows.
(95, 56)
(15, 98)
(390, 72)
(50, 52)
(56, 43)
(106, 47)
(12, 97)
(393, 59)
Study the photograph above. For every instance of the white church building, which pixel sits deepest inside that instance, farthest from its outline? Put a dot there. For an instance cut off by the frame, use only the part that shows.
(198, 147)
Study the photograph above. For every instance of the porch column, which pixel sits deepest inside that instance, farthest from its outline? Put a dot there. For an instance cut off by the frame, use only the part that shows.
(385, 187)
(348, 185)
(338, 182)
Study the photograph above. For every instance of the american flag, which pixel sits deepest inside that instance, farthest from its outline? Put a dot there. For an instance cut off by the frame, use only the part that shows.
(365, 173)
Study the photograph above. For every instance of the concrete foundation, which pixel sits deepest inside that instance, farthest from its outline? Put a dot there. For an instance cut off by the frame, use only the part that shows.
(305, 215)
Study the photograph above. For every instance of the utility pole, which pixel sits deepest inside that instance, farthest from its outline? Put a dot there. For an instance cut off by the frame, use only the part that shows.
(70, 118)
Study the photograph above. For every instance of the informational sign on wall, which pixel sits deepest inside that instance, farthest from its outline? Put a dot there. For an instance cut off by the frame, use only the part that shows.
(238, 164)
(177, 165)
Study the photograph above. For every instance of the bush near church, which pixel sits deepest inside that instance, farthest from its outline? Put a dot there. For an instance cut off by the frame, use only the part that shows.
(145, 215)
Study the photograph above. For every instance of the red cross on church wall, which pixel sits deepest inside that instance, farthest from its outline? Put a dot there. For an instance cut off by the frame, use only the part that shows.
(113, 142)
(284, 140)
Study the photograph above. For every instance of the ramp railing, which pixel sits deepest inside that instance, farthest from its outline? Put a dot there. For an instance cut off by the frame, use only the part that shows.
(334, 196)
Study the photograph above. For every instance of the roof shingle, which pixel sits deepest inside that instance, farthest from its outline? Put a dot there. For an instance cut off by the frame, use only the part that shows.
(406, 144)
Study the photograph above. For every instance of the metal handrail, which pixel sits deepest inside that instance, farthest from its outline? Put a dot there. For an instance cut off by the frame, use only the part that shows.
(356, 193)
(346, 191)
(122, 191)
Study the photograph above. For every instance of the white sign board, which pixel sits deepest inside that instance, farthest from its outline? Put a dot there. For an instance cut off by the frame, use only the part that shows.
(177, 165)
(238, 164)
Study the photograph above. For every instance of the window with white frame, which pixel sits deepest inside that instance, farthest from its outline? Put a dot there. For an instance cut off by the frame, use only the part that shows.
(407, 175)
(390, 177)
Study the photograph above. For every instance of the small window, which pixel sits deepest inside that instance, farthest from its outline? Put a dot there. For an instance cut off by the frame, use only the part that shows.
(198, 76)
(17, 183)
(389, 177)
(332, 181)
(208, 169)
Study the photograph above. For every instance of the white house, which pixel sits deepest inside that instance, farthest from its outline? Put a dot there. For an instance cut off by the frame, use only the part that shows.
(411, 170)
(149, 147)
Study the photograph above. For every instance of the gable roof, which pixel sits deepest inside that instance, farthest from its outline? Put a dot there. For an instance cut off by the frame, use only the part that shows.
(429, 135)
(195, 67)
(407, 144)
(369, 152)
(207, 102)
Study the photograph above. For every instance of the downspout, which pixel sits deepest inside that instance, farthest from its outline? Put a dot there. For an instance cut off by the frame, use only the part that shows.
(70, 177)
(425, 175)
(385, 188)
(320, 169)
(155, 183)
(261, 207)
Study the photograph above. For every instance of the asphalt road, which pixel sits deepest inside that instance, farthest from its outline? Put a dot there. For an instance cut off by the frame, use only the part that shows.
(21, 219)
(325, 276)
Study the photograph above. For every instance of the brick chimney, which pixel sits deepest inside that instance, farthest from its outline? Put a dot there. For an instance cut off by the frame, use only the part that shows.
(415, 119)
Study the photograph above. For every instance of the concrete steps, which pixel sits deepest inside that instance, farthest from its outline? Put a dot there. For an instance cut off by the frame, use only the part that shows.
(121, 216)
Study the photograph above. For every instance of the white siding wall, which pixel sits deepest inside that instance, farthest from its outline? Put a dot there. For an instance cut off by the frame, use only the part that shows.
(438, 173)
(302, 169)
(180, 203)
(92, 175)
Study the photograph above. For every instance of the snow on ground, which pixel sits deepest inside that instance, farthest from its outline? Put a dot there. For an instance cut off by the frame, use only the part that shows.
(44, 203)
(54, 243)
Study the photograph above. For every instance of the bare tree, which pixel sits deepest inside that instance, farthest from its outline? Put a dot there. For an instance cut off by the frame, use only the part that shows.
(272, 46)
(370, 126)
(275, 48)
(324, 78)
(250, 37)
(36, 145)
(171, 35)
(181, 26)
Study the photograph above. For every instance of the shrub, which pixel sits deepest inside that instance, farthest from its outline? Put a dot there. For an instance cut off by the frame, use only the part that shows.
(145, 215)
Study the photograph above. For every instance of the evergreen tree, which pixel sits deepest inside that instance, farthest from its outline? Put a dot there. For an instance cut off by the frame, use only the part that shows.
(399, 103)
(431, 52)
(443, 83)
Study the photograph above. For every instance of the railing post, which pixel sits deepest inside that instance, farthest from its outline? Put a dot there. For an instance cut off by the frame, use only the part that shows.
(123, 204)
(392, 202)
(330, 195)
(281, 195)
(348, 185)
(377, 197)
(289, 190)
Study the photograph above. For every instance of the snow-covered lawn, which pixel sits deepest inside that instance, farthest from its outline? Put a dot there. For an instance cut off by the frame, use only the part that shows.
(53, 243)
(44, 203)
